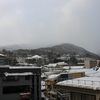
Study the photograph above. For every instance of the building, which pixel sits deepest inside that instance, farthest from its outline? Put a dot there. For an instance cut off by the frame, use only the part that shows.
(36, 59)
(98, 63)
(20, 83)
(2, 56)
(85, 88)
(55, 78)
(54, 66)
(90, 63)
(2, 59)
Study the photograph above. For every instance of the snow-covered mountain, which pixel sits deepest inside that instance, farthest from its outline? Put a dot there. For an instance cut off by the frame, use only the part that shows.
(64, 48)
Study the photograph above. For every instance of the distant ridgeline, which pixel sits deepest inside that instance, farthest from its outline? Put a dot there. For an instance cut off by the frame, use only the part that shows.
(51, 52)
(57, 50)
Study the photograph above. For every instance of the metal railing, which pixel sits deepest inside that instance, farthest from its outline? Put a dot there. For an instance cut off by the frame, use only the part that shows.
(84, 82)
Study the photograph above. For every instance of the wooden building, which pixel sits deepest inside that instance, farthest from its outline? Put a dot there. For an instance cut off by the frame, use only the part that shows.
(55, 78)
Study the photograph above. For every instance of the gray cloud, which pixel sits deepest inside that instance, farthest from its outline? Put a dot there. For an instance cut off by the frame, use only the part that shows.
(49, 22)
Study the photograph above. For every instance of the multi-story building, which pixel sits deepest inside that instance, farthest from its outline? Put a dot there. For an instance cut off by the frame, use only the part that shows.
(90, 63)
(20, 83)
(55, 78)
(85, 88)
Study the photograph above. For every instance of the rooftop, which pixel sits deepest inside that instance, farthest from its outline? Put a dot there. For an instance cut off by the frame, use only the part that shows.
(35, 57)
(2, 54)
(18, 74)
(19, 67)
(24, 67)
(73, 67)
(56, 64)
(84, 82)
(53, 77)
(88, 72)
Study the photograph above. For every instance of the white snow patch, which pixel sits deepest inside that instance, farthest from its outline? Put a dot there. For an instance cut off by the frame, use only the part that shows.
(84, 82)
(18, 74)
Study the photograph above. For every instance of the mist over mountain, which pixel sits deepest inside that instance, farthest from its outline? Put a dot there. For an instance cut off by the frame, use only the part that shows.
(19, 46)
(65, 48)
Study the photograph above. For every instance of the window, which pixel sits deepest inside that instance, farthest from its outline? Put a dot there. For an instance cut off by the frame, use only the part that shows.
(49, 87)
(73, 96)
(38, 88)
(81, 96)
(16, 89)
(10, 78)
(27, 77)
(2, 61)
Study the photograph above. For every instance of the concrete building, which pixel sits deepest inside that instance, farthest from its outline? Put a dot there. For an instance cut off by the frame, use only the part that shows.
(20, 83)
(36, 59)
(98, 63)
(85, 88)
(90, 64)
(55, 78)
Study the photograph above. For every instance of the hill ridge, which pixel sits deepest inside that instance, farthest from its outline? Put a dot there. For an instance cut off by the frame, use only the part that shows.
(63, 48)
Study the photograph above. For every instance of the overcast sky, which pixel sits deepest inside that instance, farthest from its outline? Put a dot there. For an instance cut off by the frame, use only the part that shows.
(50, 22)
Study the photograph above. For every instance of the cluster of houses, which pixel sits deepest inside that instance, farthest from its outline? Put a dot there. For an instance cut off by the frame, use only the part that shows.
(63, 82)
(54, 81)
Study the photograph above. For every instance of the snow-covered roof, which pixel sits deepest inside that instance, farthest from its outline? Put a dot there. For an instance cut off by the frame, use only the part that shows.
(2, 54)
(84, 82)
(52, 65)
(28, 93)
(19, 67)
(56, 64)
(62, 63)
(57, 71)
(4, 66)
(25, 64)
(34, 57)
(29, 57)
(24, 67)
(42, 95)
(43, 83)
(52, 77)
(42, 76)
(43, 87)
(62, 58)
(87, 71)
(48, 73)
(95, 74)
(53, 92)
(18, 74)
(73, 67)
